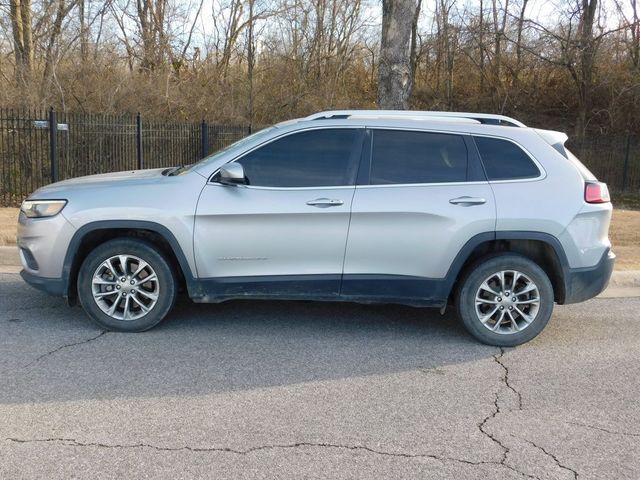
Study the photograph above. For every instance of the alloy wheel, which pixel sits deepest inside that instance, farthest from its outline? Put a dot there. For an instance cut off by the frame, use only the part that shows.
(125, 287)
(507, 302)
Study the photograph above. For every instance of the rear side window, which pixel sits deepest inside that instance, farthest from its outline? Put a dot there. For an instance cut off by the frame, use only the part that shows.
(504, 160)
(401, 157)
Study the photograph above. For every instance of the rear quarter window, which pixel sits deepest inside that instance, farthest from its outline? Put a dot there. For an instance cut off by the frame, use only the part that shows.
(504, 160)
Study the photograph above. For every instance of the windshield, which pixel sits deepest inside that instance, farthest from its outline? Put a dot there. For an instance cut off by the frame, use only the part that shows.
(239, 146)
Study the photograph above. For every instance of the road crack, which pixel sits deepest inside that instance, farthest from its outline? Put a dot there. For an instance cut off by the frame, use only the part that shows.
(611, 432)
(554, 458)
(497, 410)
(505, 377)
(482, 426)
(499, 359)
(70, 442)
(65, 346)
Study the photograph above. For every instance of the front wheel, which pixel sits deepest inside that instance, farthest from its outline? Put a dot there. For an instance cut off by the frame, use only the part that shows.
(126, 285)
(505, 300)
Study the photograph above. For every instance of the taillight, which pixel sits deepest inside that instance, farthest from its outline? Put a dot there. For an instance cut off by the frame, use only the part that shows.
(596, 192)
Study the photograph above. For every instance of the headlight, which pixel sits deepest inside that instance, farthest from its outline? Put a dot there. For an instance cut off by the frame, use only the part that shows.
(42, 208)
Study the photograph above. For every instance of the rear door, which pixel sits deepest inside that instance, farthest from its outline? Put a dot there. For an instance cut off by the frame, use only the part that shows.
(424, 196)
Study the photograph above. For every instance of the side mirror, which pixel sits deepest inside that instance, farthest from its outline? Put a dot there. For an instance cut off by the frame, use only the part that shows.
(231, 174)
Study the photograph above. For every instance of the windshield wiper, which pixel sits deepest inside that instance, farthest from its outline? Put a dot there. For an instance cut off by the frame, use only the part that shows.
(172, 170)
(178, 170)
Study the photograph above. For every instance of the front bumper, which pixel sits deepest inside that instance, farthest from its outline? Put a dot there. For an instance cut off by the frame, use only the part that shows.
(43, 243)
(584, 283)
(52, 286)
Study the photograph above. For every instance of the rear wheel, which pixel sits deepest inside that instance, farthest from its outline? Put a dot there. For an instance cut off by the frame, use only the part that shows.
(505, 300)
(126, 285)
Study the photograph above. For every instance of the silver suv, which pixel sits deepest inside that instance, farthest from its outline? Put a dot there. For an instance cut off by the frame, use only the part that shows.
(417, 208)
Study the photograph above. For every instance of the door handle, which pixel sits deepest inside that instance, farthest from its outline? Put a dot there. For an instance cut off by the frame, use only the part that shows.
(467, 201)
(325, 202)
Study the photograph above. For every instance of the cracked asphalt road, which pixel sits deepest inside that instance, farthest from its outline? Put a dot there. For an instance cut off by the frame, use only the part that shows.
(313, 390)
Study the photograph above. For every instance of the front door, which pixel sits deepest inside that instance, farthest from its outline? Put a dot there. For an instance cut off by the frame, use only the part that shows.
(284, 233)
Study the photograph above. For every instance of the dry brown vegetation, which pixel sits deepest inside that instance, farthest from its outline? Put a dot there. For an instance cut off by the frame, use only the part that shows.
(259, 61)
(624, 234)
(8, 221)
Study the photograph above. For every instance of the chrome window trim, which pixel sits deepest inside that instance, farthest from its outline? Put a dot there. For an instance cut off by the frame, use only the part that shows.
(434, 184)
(258, 187)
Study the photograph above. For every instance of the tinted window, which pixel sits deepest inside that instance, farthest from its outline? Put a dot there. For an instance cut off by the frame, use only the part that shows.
(417, 157)
(504, 160)
(316, 158)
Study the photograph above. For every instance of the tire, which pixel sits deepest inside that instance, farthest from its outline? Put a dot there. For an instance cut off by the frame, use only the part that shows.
(512, 322)
(103, 282)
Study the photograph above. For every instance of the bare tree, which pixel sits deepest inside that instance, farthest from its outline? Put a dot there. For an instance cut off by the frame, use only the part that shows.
(632, 29)
(394, 69)
(582, 74)
(518, 66)
(251, 59)
(413, 56)
(84, 31)
(577, 44)
(447, 45)
(499, 26)
(151, 25)
(22, 38)
(52, 35)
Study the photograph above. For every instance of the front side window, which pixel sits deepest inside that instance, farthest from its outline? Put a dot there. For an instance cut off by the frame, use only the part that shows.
(504, 160)
(404, 157)
(314, 158)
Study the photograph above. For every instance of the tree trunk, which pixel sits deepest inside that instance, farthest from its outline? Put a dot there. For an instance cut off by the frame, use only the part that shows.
(53, 34)
(250, 62)
(84, 33)
(587, 48)
(22, 38)
(481, 47)
(414, 54)
(516, 73)
(635, 37)
(394, 69)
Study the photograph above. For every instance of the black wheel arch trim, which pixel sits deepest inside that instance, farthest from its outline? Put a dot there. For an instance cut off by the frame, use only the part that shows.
(465, 252)
(78, 236)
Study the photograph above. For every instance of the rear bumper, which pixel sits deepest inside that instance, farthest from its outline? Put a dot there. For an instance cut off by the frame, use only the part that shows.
(52, 286)
(584, 283)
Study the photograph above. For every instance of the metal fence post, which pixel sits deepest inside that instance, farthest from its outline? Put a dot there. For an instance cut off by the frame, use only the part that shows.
(139, 141)
(625, 170)
(53, 145)
(204, 137)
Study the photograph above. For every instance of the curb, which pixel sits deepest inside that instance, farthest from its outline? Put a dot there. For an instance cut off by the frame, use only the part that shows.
(620, 279)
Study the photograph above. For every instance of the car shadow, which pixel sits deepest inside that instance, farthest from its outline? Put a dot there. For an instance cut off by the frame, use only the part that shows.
(54, 353)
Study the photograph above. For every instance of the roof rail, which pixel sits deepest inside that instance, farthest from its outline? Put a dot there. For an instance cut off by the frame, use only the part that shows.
(486, 118)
